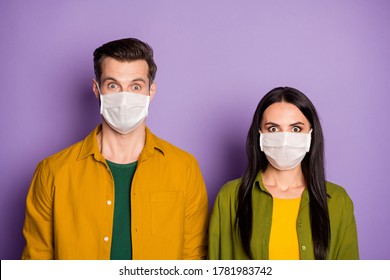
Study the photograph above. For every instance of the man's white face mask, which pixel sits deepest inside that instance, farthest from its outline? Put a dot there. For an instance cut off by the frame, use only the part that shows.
(285, 150)
(124, 111)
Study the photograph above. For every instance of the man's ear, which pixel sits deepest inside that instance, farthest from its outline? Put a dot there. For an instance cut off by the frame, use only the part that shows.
(152, 91)
(95, 88)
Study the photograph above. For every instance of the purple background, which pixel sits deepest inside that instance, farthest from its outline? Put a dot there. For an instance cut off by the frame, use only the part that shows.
(216, 60)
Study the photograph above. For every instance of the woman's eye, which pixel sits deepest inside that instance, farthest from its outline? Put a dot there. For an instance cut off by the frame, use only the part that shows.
(296, 129)
(272, 129)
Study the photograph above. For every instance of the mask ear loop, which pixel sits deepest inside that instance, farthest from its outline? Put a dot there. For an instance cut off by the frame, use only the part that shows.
(101, 111)
(261, 141)
(150, 87)
(308, 140)
(100, 95)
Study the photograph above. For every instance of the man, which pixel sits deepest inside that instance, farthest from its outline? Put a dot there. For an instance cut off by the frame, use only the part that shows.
(121, 193)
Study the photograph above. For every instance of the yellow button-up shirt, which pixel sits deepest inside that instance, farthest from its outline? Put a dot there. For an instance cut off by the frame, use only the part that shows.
(70, 204)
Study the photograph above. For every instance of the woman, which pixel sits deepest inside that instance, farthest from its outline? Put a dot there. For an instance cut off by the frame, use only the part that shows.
(282, 207)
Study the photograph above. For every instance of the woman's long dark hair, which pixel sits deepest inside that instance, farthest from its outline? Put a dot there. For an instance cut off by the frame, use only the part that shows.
(312, 168)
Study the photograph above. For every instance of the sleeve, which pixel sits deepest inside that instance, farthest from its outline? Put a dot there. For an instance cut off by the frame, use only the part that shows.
(38, 224)
(214, 252)
(348, 244)
(196, 216)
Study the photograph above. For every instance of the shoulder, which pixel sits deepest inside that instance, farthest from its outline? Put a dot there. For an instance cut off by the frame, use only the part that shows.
(334, 190)
(225, 204)
(229, 189)
(338, 196)
(75, 152)
(56, 166)
(63, 157)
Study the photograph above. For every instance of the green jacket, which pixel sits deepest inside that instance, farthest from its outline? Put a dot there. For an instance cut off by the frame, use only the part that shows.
(224, 241)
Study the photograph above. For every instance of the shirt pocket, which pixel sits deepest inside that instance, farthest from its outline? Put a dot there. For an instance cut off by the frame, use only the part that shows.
(167, 210)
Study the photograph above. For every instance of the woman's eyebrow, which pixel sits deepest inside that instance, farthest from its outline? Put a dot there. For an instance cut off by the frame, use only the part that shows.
(297, 123)
(271, 123)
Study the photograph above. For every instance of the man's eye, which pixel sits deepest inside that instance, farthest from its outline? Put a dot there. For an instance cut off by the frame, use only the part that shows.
(112, 86)
(136, 87)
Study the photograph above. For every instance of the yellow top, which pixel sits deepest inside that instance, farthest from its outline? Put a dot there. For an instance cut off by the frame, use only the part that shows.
(70, 205)
(283, 244)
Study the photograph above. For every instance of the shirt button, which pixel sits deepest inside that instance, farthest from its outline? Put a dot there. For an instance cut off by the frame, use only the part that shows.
(106, 238)
(303, 248)
(109, 202)
(299, 224)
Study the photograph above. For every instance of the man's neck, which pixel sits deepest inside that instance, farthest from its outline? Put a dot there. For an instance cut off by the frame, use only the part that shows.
(121, 148)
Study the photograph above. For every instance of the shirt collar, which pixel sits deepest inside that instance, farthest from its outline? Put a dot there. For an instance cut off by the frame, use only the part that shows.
(91, 147)
(258, 184)
(152, 144)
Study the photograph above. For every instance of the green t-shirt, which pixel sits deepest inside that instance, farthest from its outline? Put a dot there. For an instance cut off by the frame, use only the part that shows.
(121, 232)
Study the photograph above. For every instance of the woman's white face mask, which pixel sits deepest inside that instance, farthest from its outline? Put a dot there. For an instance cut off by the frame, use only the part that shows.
(285, 150)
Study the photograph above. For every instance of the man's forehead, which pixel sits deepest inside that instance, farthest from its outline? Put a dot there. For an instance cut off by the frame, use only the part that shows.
(111, 61)
(115, 68)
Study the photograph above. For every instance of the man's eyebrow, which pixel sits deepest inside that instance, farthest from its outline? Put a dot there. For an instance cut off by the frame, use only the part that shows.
(139, 80)
(115, 80)
(109, 78)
